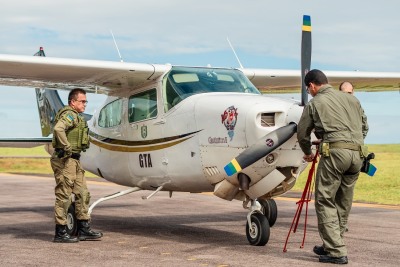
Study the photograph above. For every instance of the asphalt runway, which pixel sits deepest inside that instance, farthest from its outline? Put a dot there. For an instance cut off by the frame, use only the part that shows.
(186, 230)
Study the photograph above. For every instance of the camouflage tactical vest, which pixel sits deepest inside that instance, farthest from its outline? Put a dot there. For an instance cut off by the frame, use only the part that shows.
(78, 137)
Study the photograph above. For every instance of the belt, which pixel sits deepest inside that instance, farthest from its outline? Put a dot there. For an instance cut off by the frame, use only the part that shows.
(60, 153)
(344, 145)
(76, 156)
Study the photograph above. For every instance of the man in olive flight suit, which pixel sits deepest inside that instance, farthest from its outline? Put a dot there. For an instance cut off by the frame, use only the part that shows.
(70, 137)
(347, 87)
(337, 119)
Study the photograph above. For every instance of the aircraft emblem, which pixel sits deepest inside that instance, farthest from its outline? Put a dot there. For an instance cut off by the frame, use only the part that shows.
(229, 118)
(143, 131)
(269, 142)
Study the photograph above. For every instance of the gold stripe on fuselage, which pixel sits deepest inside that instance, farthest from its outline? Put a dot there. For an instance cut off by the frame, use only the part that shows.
(121, 148)
(138, 146)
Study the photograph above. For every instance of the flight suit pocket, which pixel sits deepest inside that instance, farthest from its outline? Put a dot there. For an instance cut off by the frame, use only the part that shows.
(69, 172)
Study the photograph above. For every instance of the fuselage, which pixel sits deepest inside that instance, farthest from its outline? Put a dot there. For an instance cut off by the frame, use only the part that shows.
(181, 130)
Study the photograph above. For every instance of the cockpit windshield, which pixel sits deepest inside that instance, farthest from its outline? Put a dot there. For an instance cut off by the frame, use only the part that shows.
(182, 82)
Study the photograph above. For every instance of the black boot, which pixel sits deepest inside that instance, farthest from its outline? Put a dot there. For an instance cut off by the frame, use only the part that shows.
(62, 236)
(85, 233)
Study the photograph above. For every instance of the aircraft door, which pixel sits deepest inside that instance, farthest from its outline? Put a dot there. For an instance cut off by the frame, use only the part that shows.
(145, 131)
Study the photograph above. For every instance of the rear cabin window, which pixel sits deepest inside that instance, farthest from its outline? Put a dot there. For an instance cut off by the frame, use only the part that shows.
(110, 114)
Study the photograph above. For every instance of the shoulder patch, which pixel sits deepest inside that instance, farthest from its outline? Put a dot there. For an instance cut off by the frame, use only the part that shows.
(70, 117)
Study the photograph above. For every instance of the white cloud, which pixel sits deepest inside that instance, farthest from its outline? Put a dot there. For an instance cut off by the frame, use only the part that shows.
(346, 34)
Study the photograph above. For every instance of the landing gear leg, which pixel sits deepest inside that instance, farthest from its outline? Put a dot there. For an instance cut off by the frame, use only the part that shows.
(118, 194)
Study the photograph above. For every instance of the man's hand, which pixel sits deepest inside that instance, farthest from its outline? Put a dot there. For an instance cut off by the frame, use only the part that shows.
(309, 158)
(65, 153)
(316, 142)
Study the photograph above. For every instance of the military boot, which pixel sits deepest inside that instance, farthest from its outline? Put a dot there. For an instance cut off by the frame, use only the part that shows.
(85, 233)
(62, 236)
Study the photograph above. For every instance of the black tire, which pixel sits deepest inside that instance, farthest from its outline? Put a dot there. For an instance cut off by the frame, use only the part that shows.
(259, 234)
(72, 224)
(270, 210)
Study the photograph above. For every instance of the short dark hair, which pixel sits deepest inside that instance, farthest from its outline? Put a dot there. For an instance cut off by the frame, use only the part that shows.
(74, 93)
(315, 76)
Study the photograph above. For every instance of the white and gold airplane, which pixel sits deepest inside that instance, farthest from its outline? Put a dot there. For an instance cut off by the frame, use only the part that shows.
(186, 129)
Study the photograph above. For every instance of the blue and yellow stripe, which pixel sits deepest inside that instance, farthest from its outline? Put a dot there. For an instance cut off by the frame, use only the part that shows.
(232, 167)
(306, 23)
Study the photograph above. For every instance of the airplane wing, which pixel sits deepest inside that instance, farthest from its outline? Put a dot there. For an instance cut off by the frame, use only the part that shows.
(114, 78)
(265, 79)
(105, 77)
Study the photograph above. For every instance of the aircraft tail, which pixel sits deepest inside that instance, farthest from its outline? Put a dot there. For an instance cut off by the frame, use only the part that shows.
(49, 103)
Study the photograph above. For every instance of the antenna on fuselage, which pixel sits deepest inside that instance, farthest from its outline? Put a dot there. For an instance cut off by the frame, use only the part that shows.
(116, 46)
(240, 64)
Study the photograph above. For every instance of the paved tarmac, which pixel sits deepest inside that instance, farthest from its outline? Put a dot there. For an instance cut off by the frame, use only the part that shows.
(186, 230)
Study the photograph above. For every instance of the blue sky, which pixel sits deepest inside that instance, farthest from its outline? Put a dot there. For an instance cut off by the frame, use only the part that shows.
(347, 35)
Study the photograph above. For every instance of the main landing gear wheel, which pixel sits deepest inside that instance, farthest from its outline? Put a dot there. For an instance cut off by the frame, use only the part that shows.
(72, 225)
(270, 210)
(258, 232)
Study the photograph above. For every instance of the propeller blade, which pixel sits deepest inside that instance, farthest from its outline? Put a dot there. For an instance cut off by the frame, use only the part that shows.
(261, 148)
(305, 56)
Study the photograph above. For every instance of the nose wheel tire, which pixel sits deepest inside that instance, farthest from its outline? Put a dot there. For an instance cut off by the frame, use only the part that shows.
(270, 210)
(71, 220)
(258, 232)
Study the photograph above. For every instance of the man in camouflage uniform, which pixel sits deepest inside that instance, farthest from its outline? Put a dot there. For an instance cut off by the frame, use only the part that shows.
(70, 137)
(337, 119)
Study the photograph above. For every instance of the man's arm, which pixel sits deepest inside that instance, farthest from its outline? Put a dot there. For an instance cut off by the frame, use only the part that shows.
(365, 126)
(304, 128)
(66, 122)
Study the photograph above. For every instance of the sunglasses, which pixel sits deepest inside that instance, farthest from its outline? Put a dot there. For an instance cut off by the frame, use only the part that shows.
(82, 101)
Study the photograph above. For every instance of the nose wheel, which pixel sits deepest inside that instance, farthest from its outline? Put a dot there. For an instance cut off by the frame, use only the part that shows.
(261, 217)
(258, 230)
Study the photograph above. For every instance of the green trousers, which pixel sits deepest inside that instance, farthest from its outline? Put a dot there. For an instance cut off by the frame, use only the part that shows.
(334, 189)
(70, 179)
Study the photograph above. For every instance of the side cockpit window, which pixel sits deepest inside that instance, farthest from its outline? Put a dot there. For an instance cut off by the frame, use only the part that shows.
(142, 106)
(110, 114)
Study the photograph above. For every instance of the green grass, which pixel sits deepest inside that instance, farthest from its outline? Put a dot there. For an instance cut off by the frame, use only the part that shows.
(36, 151)
(25, 163)
(384, 186)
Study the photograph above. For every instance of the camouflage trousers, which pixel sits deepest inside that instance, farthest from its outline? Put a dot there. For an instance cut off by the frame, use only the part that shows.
(70, 179)
(334, 189)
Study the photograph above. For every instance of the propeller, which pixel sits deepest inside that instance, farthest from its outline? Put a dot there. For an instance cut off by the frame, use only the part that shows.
(305, 56)
(261, 148)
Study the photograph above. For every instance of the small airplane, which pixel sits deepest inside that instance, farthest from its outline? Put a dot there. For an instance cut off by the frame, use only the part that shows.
(185, 129)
